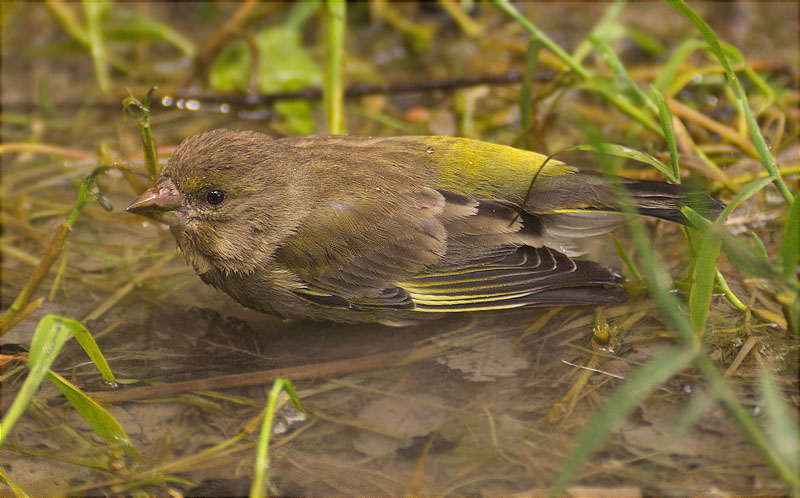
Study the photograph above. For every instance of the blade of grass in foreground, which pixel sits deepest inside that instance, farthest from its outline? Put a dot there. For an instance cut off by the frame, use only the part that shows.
(333, 94)
(616, 409)
(49, 337)
(102, 422)
(755, 132)
(782, 430)
(653, 373)
(260, 477)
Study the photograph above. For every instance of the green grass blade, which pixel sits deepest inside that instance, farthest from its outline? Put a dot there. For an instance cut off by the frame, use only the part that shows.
(665, 116)
(610, 91)
(142, 28)
(526, 93)
(260, 482)
(613, 62)
(333, 89)
(94, 11)
(790, 246)
(89, 345)
(673, 64)
(745, 193)
(703, 276)
(15, 488)
(748, 259)
(759, 248)
(617, 150)
(606, 29)
(659, 281)
(626, 258)
(625, 399)
(755, 132)
(742, 416)
(49, 337)
(539, 35)
(101, 421)
(788, 255)
(781, 425)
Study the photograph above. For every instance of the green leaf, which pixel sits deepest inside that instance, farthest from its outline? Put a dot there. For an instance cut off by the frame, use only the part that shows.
(607, 28)
(781, 427)
(95, 12)
(230, 71)
(759, 249)
(625, 399)
(50, 335)
(89, 345)
(646, 41)
(742, 255)
(284, 64)
(790, 247)
(627, 153)
(297, 116)
(716, 47)
(745, 193)
(101, 421)
(136, 28)
(626, 258)
(526, 93)
(673, 64)
(665, 116)
(703, 276)
(629, 87)
(260, 477)
(333, 89)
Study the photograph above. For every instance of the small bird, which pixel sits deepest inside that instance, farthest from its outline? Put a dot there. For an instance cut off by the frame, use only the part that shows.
(393, 230)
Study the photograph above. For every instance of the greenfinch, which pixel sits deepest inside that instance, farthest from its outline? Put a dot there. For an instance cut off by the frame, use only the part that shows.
(393, 230)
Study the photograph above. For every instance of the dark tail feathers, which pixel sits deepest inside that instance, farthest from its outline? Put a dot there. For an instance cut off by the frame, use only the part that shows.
(665, 200)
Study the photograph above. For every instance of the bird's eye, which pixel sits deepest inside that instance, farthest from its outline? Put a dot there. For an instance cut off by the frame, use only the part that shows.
(215, 197)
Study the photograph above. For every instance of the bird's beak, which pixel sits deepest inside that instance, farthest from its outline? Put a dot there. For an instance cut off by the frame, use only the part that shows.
(158, 200)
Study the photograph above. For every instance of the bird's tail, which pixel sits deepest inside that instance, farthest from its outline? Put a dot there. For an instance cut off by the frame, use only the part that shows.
(665, 200)
(588, 192)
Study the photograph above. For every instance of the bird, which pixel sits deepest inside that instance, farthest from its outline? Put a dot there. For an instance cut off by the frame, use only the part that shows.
(394, 230)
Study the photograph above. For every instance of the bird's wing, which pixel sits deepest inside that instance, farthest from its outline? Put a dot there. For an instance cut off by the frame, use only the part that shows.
(438, 251)
(355, 250)
(529, 276)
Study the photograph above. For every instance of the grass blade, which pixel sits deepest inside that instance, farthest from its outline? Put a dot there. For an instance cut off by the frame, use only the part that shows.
(626, 258)
(260, 478)
(333, 90)
(615, 64)
(790, 246)
(755, 132)
(545, 40)
(89, 345)
(625, 399)
(673, 64)
(526, 94)
(665, 116)
(94, 12)
(102, 422)
(781, 424)
(704, 274)
(742, 416)
(617, 150)
(49, 337)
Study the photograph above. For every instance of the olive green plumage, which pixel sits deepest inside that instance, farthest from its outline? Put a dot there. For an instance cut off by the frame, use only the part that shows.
(391, 230)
